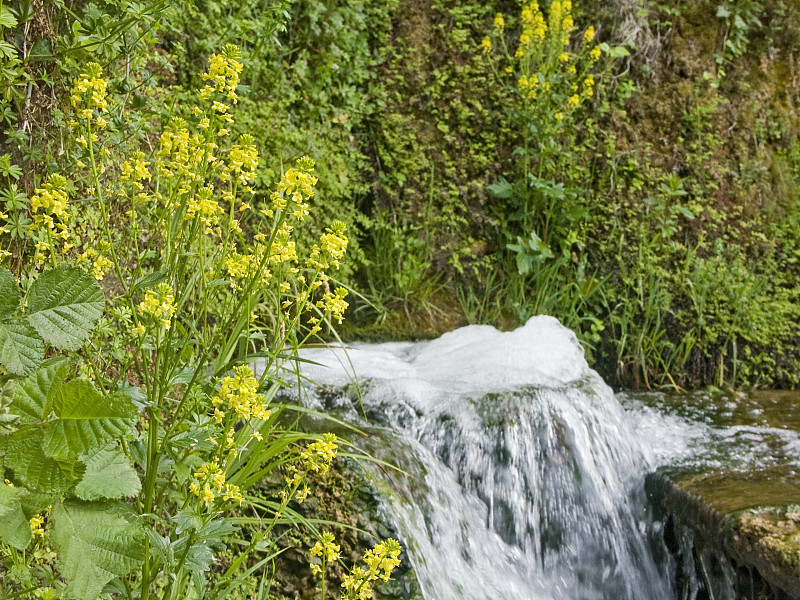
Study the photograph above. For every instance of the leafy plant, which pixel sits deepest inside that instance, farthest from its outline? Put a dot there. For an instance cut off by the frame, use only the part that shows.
(165, 405)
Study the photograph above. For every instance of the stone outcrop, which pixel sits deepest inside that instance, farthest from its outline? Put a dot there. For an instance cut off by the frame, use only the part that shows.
(722, 551)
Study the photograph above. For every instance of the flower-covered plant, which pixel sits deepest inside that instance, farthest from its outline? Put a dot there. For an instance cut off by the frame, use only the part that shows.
(129, 456)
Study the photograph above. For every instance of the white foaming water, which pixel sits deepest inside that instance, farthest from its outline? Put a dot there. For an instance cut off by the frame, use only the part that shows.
(522, 475)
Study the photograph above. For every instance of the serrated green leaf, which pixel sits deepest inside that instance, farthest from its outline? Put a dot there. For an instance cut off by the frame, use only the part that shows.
(10, 294)
(187, 520)
(199, 557)
(85, 420)
(109, 474)
(7, 18)
(21, 348)
(35, 470)
(32, 397)
(64, 305)
(97, 542)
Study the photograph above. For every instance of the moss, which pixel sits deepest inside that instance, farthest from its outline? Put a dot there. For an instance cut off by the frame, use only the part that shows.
(769, 539)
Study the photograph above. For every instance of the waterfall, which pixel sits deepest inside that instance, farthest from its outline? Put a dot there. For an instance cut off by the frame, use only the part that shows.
(519, 475)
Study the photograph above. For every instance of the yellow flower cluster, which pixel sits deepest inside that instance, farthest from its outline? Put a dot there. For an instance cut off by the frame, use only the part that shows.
(381, 561)
(560, 20)
(588, 86)
(37, 525)
(326, 550)
(100, 264)
(223, 74)
(318, 455)
(203, 206)
(333, 244)
(136, 170)
(486, 44)
(334, 304)
(534, 30)
(183, 155)
(89, 93)
(284, 248)
(297, 186)
(50, 209)
(242, 161)
(159, 303)
(499, 22)
(240, 394)
(209, 484)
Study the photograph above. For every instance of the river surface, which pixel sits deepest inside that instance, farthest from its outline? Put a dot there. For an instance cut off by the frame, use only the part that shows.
(519, 474)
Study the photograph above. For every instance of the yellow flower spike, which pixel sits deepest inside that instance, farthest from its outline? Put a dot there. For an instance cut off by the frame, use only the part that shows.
(36, 523)
(486, 45)
(159, 303)
(499, 22)
(588, 35)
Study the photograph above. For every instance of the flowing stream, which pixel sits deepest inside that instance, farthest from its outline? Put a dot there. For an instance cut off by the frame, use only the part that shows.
(519, 473)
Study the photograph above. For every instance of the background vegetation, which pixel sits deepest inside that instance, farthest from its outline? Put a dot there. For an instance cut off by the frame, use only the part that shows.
(659, 219)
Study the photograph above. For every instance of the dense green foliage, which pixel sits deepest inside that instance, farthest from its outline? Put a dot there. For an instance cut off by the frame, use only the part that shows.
(657, 217)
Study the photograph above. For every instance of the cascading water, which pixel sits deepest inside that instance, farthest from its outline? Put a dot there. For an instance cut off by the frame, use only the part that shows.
(520, 474)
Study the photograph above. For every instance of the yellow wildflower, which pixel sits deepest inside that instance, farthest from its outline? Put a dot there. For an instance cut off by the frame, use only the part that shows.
(499, 22)
(159, 303)
(36, 523)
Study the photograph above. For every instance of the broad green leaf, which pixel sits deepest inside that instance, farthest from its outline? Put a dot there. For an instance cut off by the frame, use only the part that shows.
(97, 542)
(64, 305)
(9, 497)
(619, 52)
(85, 419)
(21, 348)
(109, 474)
(10, 294)
(32, 397)
(35, 470)
(42, 51)
(15, 529)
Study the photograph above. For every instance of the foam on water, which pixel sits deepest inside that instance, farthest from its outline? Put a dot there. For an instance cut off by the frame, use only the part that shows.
(472, 359)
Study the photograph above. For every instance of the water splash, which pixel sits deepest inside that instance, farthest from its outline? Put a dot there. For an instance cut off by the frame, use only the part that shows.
(522, 474)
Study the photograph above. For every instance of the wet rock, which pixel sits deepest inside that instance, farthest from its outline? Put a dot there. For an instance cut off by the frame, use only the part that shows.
(722, 551)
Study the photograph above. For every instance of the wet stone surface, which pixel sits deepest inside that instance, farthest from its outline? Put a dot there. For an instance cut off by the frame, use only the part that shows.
(729, 494)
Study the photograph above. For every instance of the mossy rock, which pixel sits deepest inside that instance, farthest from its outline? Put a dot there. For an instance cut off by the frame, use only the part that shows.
(768, 539)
